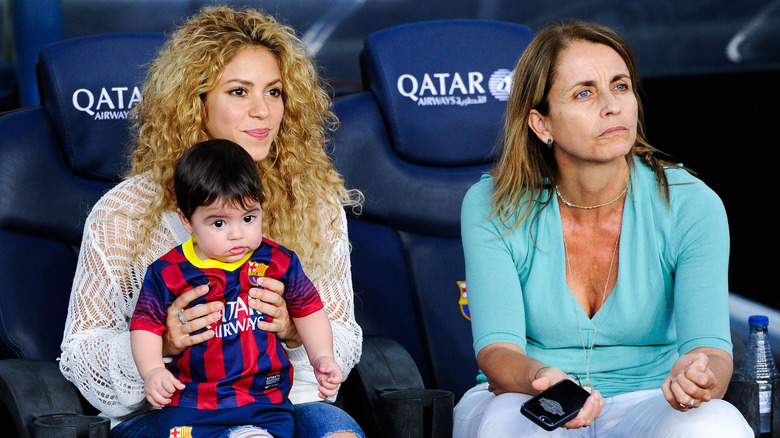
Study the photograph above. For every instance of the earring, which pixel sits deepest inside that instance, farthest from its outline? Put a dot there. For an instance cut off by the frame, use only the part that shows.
(549, 143)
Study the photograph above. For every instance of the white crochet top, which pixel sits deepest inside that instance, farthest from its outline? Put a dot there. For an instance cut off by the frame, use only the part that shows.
(96, 354)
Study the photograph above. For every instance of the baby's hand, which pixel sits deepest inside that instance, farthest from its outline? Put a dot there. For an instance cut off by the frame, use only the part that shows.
(328, 374)
(160, 385)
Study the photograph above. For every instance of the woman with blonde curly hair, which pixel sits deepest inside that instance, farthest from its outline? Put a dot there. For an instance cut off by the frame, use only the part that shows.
(241, 76)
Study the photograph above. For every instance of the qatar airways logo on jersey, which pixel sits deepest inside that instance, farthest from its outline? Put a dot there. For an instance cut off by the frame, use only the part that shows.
(107, 103)
(237, 317)
(445, 89)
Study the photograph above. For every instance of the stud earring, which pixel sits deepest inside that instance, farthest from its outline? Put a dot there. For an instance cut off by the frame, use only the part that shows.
(549, 143)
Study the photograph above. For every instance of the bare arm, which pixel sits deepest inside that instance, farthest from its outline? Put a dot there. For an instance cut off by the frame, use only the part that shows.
(315, 333)
(147, 351)
(159, 383)
(496, 360)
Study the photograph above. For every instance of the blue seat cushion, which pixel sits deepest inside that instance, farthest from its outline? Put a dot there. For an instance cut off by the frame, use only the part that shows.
(88, 85)
(443, 86)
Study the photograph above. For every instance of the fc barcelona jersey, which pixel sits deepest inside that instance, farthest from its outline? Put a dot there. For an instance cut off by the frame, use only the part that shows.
(241, 364)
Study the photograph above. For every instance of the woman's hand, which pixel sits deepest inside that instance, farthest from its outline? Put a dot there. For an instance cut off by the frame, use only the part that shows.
(589, 411)
(269, 300)
(548, 376)
(178, 335)
(690, 383)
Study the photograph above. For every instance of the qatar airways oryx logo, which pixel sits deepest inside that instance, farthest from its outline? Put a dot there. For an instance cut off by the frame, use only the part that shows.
(454, 88)
(500, 84)
(108, 103)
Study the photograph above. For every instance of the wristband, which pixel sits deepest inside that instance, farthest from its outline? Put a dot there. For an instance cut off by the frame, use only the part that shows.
(538, 371)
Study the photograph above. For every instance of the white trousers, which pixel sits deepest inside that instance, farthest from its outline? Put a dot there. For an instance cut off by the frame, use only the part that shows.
(481, 414)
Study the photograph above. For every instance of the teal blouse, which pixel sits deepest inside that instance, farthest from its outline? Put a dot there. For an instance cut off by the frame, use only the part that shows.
(671, 294)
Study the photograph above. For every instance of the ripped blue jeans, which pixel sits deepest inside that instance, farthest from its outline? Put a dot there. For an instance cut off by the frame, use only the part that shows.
(312, 420)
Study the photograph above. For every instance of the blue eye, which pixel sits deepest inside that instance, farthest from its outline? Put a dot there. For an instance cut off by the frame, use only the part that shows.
(583, 94)
(622, 87)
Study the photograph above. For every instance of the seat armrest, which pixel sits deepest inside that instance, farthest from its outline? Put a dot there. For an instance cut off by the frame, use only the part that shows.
(32, 388)
(385, 392)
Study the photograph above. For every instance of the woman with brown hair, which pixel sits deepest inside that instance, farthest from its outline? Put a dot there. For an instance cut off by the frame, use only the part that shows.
(591, 259)
(240, 76)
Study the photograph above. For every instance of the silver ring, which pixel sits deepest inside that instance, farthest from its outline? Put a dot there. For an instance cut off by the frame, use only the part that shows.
(689, 405)
(181, 317)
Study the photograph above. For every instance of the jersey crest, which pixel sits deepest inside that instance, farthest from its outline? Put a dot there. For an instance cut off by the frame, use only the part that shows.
(463, 301)
(181, 432)
(255, 271)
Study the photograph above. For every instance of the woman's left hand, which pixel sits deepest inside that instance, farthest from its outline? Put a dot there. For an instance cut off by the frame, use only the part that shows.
(690, 383)
(270, 301)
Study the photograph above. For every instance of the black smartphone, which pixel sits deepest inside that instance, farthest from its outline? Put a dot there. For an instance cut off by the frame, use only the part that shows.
(556, 405)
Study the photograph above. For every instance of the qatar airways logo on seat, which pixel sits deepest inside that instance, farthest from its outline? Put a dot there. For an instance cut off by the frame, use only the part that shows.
(107, 104)
(442, 89)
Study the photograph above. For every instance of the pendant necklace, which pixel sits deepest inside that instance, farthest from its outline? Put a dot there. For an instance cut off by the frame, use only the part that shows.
(588, 351)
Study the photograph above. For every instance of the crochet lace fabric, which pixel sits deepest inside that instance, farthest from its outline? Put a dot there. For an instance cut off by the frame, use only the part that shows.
(96, 353)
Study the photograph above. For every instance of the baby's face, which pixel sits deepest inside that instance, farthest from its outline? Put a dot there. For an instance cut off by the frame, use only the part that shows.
(226, 232)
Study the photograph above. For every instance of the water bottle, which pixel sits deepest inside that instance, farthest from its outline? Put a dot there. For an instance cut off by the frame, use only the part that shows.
(759, 366)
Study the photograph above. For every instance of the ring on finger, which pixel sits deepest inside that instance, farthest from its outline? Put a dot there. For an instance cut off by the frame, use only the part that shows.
(689, 405)
(181, 317)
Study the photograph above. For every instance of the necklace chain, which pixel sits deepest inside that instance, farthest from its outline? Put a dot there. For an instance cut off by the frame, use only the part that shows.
(589, 351)
(590, 207)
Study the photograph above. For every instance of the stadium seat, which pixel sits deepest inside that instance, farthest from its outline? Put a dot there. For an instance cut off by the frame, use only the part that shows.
(9, 90)
(421, 133)
(57, 159)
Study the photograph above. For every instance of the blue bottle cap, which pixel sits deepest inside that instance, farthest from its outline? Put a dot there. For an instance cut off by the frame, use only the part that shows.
(758, 320)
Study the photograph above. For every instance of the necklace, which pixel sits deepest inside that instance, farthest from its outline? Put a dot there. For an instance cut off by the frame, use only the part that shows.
(589, 351)
(558, 192)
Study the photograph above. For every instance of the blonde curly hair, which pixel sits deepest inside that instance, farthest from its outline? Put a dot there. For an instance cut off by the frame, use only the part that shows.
(297, 175)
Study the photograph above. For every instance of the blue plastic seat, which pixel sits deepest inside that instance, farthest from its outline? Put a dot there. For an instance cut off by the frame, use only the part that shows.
(56, 160)
(420, 135)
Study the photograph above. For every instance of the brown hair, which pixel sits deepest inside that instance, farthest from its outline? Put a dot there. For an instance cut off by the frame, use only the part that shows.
(216, 170)
(525, 168)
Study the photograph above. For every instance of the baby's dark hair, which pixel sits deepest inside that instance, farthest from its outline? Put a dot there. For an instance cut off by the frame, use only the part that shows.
(216, 169)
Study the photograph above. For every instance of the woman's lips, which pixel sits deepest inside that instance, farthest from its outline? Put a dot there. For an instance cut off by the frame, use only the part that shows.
(258, 134)
(612, 131)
